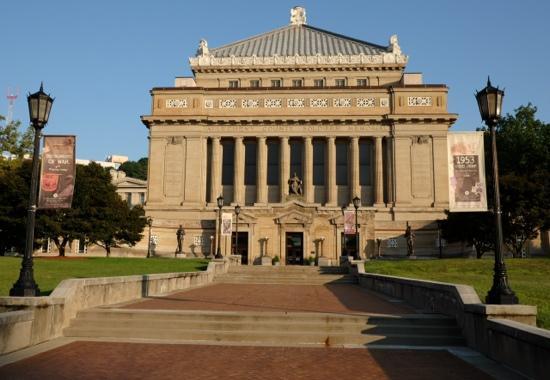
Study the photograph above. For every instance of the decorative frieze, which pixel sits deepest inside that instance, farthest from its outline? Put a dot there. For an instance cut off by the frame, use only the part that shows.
(208, 103)
(341, 102)
(273, 103)
(295, 103)
(365, 102)
(419, 101)
(228, 103)
(250, 103)
(176, 103)
(318, 103)
(384, 102)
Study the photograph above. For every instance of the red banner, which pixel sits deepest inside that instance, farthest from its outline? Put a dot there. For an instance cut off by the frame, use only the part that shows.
(57, 173)
(349, 223)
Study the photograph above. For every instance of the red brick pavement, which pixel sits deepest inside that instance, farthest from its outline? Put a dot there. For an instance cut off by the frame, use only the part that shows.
(330, 298)
(103, 360)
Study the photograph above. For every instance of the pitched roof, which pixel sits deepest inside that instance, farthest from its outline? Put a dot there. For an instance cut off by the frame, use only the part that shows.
(302, 40)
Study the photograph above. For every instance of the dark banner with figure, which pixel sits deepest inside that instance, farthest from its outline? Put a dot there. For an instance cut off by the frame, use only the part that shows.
(57, 172)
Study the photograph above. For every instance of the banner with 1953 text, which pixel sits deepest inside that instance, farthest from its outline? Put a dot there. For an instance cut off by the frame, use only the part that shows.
(57, 172)
(467, 187)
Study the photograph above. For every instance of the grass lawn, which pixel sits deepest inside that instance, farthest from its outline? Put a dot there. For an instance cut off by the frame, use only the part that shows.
(49, 272)
(529, 278)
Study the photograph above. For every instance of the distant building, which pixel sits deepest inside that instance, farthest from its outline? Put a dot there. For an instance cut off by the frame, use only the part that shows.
(113, 161)
(132, 190)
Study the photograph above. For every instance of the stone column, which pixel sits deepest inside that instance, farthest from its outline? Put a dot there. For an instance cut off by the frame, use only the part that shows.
(378, 174)
(308, 170)
(354, 186)
(331, 172)
(261, 171)
(284, 167)
(215, 170)
(238, 179)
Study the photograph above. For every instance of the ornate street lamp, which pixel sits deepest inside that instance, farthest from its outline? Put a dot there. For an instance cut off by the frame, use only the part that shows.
(219, 200)
(489, 101)
(40, 105)
(149, 222)
(237, 212)
(356, 204)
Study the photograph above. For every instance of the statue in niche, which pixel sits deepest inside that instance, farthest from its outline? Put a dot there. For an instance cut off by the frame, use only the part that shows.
(394, 45)
(179, 235)
(295, 185)
(410, 236)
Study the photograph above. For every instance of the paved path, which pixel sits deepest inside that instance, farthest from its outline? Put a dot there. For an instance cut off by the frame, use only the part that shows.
(103, 360)
(329, 298)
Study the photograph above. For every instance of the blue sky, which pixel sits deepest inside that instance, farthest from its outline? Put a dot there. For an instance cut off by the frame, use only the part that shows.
(100, 58)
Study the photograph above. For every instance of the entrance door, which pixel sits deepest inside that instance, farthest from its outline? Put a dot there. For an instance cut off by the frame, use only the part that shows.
(242, 249)
(294, 248)
(349, 245)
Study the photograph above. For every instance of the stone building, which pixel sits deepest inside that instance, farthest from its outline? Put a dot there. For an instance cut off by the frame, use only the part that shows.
(292, 125)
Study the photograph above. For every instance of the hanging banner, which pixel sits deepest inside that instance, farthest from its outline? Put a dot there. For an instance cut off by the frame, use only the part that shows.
(467, 187)
(57, 172)
(349, 223)
(227, 220)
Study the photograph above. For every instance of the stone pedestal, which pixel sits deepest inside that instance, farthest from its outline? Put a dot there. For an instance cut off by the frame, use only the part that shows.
(266, 260)
(324, 261)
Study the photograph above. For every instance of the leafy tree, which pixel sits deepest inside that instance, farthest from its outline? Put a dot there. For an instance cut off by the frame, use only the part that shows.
(14, 141)
(473, 228)
(135, 169)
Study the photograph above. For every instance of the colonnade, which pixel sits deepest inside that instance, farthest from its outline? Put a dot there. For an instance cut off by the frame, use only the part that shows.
(284, 169)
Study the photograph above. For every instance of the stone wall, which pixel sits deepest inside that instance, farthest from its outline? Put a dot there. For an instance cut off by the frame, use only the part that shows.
(504, 333)
(27, 321)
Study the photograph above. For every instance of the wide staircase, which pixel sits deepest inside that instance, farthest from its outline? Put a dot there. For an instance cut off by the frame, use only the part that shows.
(281, 328)
(291, 274)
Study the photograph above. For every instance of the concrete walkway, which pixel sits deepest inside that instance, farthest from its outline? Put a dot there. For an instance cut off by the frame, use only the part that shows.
(329, 298)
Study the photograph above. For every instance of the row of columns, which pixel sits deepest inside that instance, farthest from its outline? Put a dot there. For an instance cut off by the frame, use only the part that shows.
(284, 170)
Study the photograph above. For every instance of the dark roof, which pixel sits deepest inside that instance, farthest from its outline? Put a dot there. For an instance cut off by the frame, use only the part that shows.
(302, 40)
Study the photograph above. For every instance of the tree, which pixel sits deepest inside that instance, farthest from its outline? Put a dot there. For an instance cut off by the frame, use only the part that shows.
(523, 144)
(135, 169)
(13, 141)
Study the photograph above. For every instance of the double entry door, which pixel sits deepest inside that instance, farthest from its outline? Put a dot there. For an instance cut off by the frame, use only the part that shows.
(294, 248)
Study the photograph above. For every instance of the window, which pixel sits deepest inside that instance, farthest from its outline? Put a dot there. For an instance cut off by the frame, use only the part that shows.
(82, 245)
(233, 83)
(129, 199)
(227, 163)
(296, 158)
(141, 198)
(362, 82)
(365, 163)
(342, 163)
(273, 162)
(340, 82)
(297, 83)
(318, 163)
(275, 83)
(255, 83)
(250, 163)
(319, 83)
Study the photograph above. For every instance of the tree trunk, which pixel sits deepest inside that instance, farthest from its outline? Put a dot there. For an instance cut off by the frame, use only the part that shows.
(108, 249)
(479, 251)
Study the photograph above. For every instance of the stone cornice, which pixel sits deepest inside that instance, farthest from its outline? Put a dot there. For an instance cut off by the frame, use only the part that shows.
(208, 61)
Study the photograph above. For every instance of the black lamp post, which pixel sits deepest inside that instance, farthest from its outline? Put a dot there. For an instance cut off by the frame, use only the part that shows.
(219, 200)
(149, 222)
(356, 204)
(489, 101)
(40, 105)
(439, 227)
(237, 212)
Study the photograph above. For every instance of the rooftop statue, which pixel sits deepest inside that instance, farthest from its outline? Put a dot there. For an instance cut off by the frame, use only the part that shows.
(203, 48)
(298, 16)
(394, 45)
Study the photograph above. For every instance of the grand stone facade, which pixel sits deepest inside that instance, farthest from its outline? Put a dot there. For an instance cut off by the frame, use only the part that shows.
(339, 114)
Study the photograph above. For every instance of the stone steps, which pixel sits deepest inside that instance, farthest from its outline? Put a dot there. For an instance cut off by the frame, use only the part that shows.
(281, 328)
(298, 275)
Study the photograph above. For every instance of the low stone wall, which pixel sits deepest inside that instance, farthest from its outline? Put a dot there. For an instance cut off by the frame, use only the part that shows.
(27, 321)
(505, 333)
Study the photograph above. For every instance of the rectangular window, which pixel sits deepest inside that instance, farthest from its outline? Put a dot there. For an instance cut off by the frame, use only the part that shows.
(365, 162)
(340, 82)
(255, 83)
(233, 83)
(342, 163)
(297, 83)
(319, 163)
(273, 162)
(227, 163)
(141, 198)
(129, 199)
(296, 149)
(362, 82)
(319, 83)
(275, 83)
(250, 163)
(82, 246)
